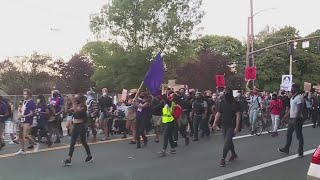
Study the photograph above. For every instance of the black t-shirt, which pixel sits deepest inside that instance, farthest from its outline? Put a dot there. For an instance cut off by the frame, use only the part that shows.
(210, 103)
(285, 101)
(228, 113)
(157, 106)
(105, 103)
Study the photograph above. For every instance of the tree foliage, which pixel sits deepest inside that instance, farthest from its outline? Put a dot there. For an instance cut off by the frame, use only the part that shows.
(272, 64)
(200, 72)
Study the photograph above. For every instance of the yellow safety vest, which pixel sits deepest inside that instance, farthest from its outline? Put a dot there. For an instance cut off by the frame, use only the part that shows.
(167, 114)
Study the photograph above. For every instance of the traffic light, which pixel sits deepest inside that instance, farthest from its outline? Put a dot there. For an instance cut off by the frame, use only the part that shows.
(290, 48)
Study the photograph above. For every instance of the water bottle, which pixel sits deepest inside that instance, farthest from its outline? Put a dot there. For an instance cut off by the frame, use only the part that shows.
(35, 122)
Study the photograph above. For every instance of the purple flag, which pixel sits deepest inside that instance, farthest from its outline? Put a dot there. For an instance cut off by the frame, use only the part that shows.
(154, 76)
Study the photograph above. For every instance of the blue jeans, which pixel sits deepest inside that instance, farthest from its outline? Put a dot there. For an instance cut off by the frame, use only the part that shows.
(253, 117)
(196, 123)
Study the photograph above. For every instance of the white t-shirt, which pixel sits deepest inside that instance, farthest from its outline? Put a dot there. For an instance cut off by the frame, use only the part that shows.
(295, 101)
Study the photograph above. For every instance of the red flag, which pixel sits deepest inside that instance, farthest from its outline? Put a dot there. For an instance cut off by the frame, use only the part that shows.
(251, 73)
(220, 81)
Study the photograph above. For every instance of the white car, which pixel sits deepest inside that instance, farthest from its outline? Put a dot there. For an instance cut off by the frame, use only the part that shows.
(314, 169)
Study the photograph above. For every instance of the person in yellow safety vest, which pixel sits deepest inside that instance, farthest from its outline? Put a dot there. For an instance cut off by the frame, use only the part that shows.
(168, 125)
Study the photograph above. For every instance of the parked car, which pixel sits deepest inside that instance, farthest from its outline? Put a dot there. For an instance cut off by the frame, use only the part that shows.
(314, 169)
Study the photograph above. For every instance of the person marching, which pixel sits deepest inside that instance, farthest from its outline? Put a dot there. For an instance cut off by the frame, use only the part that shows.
(276, 107)
(295, 122)
(168, 125)
(199, 113)
(28, 111)
(42, 113)
(79, 128)
(230, 112)
(92, 113)
(141, 118)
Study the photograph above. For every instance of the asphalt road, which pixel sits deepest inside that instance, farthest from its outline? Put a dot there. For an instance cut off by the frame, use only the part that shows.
(118, 160)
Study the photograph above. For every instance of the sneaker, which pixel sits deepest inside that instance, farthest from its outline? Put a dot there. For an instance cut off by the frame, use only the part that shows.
(187, 141)
(50, 144)
(67, 162)
(285, 151)
(300, 155)
(89, 159)
(20, 152)
(36, 148)
(252, 133)
(173, 151)
(314, 126)
(233, 157)
(104, 139)
(163, 154)
(156, 141)
(30, 147)
(222, 163)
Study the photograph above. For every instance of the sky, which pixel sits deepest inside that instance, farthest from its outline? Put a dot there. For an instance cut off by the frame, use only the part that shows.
(25, 25)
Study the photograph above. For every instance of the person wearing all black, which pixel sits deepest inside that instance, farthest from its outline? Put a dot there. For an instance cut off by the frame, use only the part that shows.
(244, 108)
(314, 110)
(79, 128)
(106, 106)
(205, 122)
(199, 114)
(180, 124)
(229, 111)
(141, 118)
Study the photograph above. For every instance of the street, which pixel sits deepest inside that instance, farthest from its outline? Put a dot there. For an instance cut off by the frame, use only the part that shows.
(117, 159)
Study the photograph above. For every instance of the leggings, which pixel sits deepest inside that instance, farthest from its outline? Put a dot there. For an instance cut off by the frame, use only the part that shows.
(79, 130)
(228, 133)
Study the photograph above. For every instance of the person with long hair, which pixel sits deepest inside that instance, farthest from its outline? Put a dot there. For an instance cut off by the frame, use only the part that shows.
(79, 128)
(229, 111)
(42, 115)
(141, 118)
(69, 113)
(28, 111)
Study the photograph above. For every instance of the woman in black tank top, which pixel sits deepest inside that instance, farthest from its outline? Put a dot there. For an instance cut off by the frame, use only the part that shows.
(79, 128)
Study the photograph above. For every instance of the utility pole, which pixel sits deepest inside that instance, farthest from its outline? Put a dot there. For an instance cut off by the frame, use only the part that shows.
(252, 33)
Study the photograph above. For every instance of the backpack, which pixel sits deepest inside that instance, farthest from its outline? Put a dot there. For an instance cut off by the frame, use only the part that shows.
(198, 107)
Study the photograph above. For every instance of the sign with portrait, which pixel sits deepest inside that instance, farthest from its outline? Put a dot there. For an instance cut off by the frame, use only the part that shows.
(286, 82)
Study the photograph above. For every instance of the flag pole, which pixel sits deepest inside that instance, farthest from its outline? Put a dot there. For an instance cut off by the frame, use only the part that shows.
(139, 89)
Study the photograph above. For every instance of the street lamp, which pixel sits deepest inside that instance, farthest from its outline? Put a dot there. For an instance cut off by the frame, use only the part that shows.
(250, 35)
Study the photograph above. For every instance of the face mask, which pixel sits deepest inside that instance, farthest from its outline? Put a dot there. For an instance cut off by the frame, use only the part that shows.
(104, 94)
(38, 101)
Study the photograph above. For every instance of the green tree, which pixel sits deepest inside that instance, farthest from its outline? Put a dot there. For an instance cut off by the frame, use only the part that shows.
(137, 31)
(274, 63)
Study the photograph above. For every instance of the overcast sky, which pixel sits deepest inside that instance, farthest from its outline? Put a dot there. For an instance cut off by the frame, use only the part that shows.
(25, 24)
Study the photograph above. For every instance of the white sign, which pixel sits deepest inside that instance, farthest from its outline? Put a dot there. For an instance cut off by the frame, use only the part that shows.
(286, 82)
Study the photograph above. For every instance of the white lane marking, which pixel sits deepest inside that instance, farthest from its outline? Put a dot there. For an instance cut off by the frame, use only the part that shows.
(284, 129)
(261, 166)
